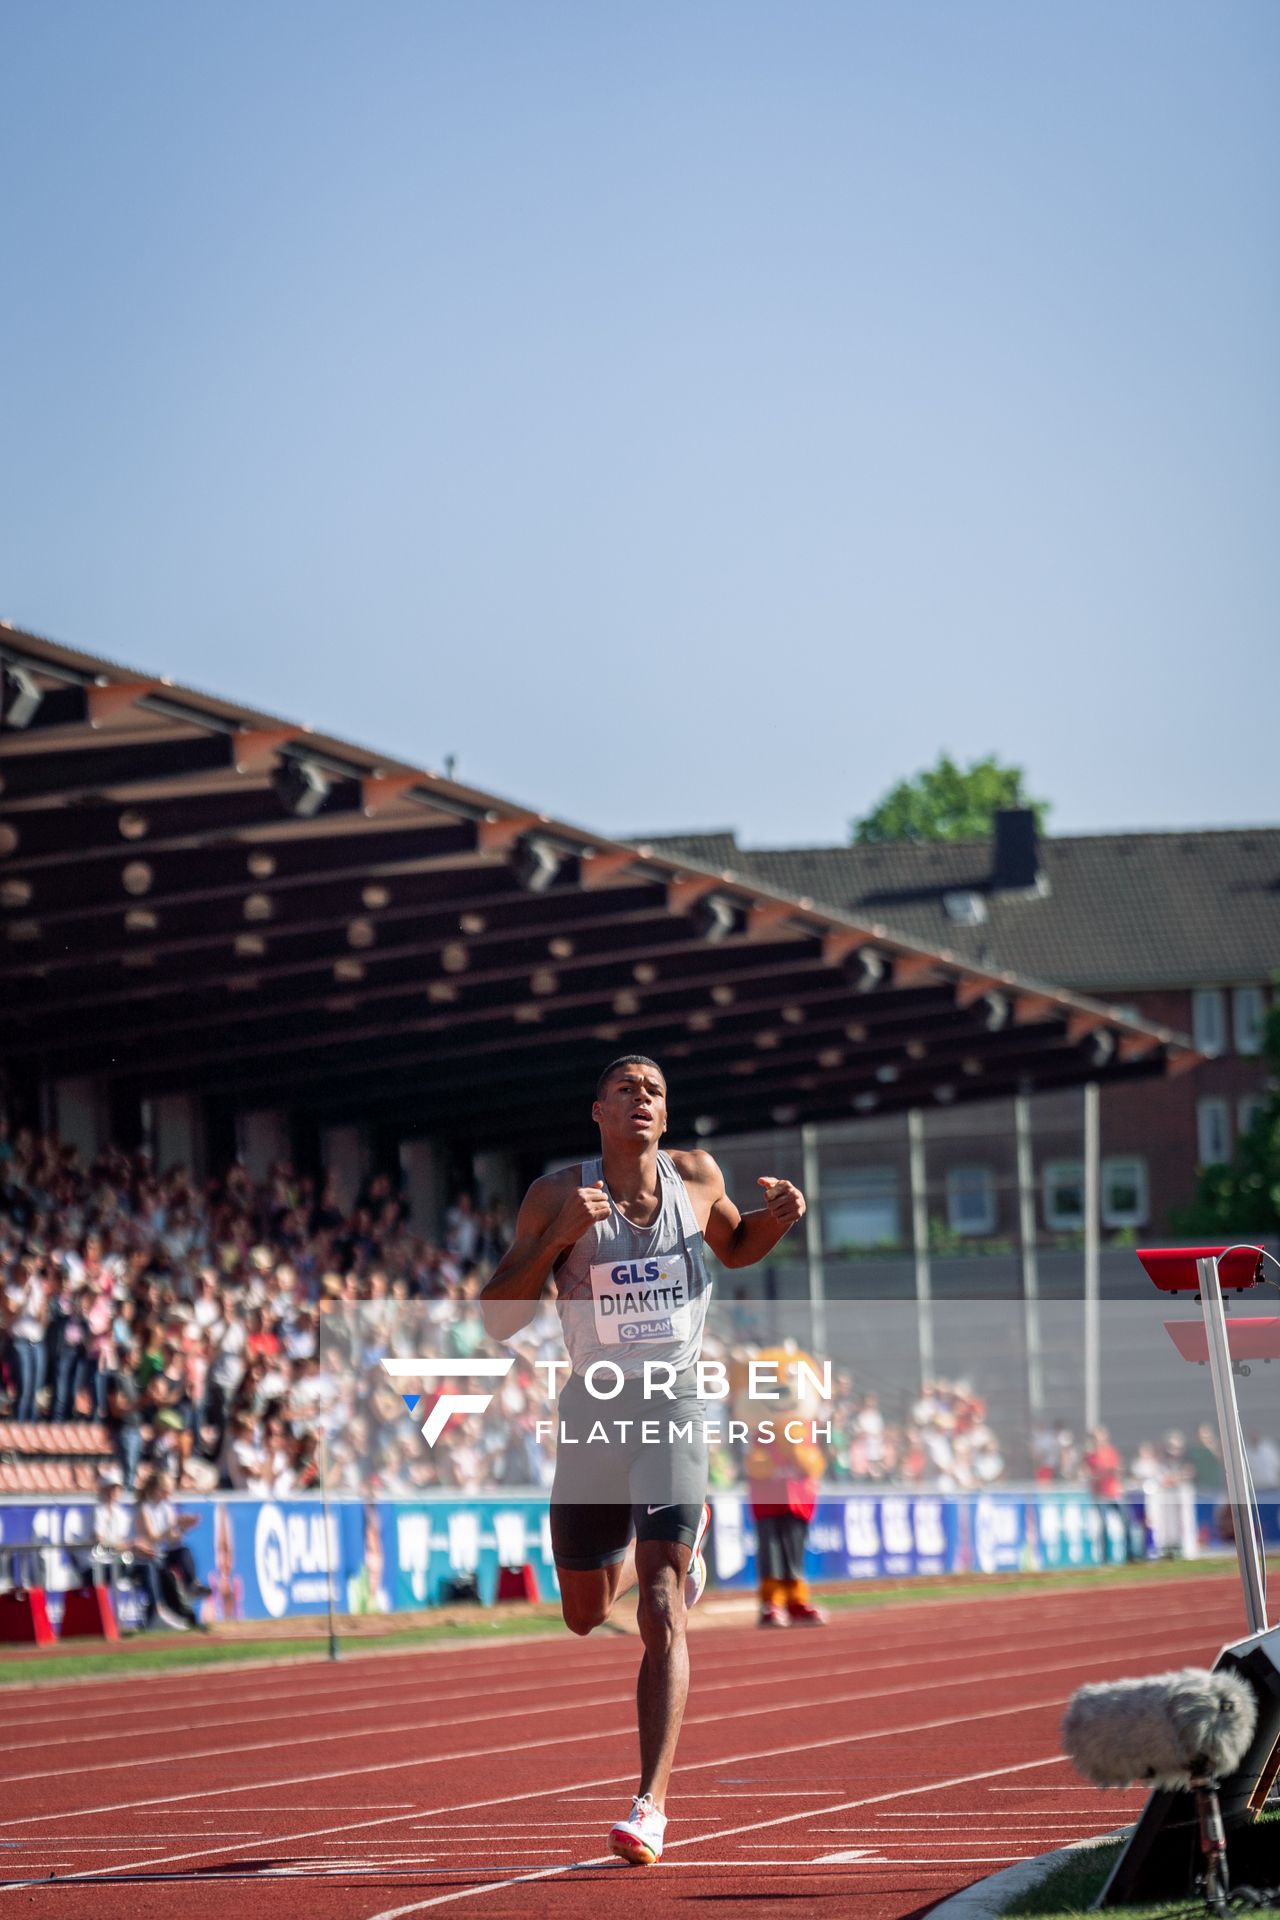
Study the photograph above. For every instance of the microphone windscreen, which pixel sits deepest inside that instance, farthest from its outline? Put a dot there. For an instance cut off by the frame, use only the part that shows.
(1164, 1730)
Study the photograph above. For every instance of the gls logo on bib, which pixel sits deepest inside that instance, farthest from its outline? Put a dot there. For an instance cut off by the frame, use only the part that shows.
(641, 1300)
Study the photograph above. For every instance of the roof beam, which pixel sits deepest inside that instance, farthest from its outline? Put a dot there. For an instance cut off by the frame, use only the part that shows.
(222, 1019)
(420, 918)
(428, 1036)
(556, 1125)
(54, 836)
(92, 770)
(453, 1070)
(289, 954)
(67, 897)
(1017, 1061)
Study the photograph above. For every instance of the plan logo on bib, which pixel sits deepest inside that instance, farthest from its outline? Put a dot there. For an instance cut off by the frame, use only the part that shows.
(447, 1404)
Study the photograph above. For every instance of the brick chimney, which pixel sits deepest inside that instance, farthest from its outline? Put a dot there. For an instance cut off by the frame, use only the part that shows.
(1015, 853)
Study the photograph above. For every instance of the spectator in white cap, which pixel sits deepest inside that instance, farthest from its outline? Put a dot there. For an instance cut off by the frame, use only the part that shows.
(112, 1531)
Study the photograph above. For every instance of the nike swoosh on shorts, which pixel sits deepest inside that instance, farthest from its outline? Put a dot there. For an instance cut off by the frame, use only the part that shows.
(667, 1508)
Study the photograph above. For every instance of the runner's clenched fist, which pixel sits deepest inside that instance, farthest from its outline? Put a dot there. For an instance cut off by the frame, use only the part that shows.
(580, 1211)
(785, 1202)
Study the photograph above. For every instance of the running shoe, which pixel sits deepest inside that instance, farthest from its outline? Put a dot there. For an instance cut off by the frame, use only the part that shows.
(801, 1615)
(696, 1579)
(638, 1838)
(772, 1617)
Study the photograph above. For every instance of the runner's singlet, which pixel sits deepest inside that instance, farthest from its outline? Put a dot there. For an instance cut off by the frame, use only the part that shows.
(631, 1294)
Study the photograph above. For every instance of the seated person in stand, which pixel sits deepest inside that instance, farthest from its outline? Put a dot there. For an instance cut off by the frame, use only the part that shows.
(163, 1554)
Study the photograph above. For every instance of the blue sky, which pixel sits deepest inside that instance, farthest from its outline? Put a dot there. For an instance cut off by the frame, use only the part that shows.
(688, 414)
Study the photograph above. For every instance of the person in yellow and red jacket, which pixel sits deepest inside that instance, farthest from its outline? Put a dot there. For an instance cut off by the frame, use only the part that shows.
(784, 1478)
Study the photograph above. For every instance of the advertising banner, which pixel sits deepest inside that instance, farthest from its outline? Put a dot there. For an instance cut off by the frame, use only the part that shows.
(1074, 1531)
(277, 1559)
(64, 1529)
(438, 1543)
(871, 1536)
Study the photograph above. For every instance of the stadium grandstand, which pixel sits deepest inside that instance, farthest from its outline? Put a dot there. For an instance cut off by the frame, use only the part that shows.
(285, 1027)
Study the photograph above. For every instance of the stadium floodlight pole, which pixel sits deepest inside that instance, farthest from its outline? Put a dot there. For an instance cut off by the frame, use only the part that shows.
(328, 1538)
(812, 1177)
(1027, 1245)
(1092, 1194)
(920, 1241)
(1234, 1459)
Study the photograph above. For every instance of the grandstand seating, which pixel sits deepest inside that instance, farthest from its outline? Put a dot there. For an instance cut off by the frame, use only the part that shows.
(40, 1456)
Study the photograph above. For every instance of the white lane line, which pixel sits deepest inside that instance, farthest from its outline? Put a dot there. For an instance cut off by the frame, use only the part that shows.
(911, 1820)
(285, 1709)
(378, 1731)
(774, 1667)
(755, 1711)
(283, 1673)
(698, 1839)
(955, 1860)
(371, 1706)
(1070, 1786)
(806, 1747)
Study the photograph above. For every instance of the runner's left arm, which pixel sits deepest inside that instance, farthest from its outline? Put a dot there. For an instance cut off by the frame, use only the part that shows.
(743, 1239)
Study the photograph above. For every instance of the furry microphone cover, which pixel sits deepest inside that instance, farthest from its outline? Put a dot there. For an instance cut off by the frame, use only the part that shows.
(1164, 1730)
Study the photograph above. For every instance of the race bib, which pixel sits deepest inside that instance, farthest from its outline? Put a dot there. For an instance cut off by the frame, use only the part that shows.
(642, 1300)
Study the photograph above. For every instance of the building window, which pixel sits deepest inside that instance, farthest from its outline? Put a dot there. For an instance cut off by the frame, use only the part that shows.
(1124, 1193)
(860, 1207)
(1209, 1019)
(971, 1200)
(1248, 1110)
(1063, 1195)
(1213, 1132)
(1249, 1016)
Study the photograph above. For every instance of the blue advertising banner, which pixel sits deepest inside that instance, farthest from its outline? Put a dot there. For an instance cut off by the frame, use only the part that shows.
(870, 1536)
(435, 1543)
(275, 1559)
(1213, 1518)
(267, 1559)
(855, 1537)
(65, 1530)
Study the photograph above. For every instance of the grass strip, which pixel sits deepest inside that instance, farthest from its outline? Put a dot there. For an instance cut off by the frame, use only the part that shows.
(1070, 1889)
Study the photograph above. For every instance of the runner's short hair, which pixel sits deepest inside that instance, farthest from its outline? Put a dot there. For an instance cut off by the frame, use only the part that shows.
(626, 1060)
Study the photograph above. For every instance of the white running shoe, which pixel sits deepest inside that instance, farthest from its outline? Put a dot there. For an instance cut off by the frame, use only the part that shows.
(638, 1838)
(696, 1579)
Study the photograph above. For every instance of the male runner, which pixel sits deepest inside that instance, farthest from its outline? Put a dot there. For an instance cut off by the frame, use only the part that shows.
(623, 1237)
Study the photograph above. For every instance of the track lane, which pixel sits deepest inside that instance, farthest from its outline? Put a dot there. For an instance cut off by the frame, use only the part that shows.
(375, 1838)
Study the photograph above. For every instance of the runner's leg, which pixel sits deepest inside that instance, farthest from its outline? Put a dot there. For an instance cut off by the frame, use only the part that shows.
(663, 1684)
(587, 1595)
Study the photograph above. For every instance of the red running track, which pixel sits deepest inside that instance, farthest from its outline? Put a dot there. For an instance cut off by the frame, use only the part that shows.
(868, 1769)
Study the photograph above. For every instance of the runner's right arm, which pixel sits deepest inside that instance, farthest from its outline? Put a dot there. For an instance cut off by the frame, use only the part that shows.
(553, 1215)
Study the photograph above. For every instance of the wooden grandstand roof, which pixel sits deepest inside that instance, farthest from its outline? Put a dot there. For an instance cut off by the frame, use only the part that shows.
(198, 896)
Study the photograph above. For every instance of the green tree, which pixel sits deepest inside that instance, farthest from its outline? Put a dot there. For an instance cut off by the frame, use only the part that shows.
(1244, 1196)
(948, 802)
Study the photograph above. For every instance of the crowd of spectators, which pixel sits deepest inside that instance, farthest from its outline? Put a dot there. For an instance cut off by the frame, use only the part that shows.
(1155, 1465)
(186, 1319)
(216, 1330)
